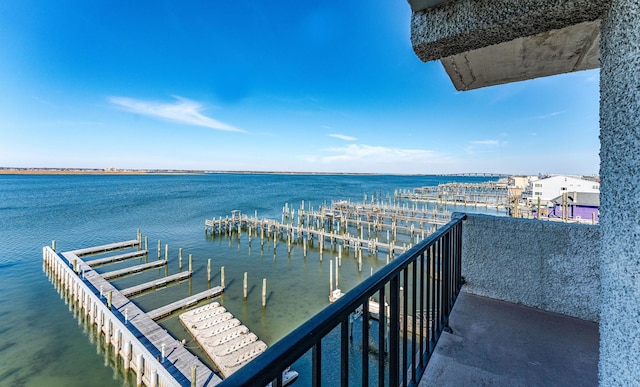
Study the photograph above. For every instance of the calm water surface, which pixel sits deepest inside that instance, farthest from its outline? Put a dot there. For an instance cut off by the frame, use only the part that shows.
(43, 344)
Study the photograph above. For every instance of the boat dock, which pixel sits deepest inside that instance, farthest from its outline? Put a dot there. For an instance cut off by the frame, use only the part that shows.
(167, 310)
(117, 258)
(133, 269)
(157, 358)
(155, 283)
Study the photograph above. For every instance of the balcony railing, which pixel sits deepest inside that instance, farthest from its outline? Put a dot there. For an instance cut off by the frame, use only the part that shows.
(414, 295)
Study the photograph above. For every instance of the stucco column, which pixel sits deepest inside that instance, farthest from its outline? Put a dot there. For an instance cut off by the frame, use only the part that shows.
(620, 194)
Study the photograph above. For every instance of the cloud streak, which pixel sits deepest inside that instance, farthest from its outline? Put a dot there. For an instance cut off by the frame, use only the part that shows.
(343, 137)
(182, 110)
(379, 154)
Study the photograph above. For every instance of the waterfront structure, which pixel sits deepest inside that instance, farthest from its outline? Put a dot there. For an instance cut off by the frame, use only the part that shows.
(576, 206)
(551, 187)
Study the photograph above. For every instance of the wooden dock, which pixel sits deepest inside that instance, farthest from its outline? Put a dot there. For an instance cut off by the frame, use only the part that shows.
(157, 358)
(155, 283)
(133, 269)
(116, 258)
(106, 248)
(167, 310)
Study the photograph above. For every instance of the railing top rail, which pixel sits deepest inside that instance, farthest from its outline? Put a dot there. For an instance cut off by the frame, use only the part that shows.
(264, 368)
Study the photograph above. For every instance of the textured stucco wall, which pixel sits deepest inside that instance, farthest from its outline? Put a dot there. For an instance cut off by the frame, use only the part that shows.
(463, 25)
(620, 194)
(546, 265)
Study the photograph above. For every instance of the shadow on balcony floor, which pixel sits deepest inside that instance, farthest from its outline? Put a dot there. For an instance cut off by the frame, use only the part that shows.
(497, 343)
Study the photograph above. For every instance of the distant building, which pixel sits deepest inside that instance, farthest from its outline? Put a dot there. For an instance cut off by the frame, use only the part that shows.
(550, 188)
(578, 206)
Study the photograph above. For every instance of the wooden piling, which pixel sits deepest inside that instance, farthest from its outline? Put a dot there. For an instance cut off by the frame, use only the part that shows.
(53, 245)
(264, 292)
(209, 270)
(158, 248)
(222, 276)
(190, 263)
(245, 285)
(109, 299)
(193, 376)
(330, 278)
(166, 252)
(146, 244)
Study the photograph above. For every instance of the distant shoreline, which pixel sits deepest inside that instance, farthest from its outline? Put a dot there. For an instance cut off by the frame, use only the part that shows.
(110, 171)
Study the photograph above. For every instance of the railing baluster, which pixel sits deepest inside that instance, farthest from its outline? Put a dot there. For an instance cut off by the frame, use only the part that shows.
(405, 310)
(394, 332)
(344, 352)
(365, 343)
(422, 313)
(316, 364)
(414, 312)
(381, 337)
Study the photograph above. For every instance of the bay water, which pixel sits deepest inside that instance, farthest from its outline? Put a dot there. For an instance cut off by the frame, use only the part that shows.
(43, 344)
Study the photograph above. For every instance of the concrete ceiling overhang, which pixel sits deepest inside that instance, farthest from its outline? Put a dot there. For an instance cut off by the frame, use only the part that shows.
(483, 43)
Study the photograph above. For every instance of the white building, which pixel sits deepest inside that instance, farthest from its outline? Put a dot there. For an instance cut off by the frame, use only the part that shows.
(552, 187)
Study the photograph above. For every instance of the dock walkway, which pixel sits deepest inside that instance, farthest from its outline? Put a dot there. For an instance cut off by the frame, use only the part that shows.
(155, 283)
(166, 310)
(132, 269)
(116, 258)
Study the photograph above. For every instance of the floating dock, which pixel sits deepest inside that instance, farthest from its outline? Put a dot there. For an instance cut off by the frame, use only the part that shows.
(228, 343)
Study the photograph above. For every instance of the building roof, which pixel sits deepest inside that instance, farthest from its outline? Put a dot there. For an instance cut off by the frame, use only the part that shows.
(585, 199)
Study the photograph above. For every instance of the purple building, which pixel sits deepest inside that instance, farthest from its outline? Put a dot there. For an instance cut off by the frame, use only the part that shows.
(579, 205)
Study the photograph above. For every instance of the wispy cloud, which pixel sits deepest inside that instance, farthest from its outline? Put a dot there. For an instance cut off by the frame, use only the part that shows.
(484, 145)
(343, 137)
(489, 142)
(182, 110)
(545, 116)
(379, 154)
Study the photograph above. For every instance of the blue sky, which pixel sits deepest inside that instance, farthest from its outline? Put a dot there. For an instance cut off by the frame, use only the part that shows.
(328, 86)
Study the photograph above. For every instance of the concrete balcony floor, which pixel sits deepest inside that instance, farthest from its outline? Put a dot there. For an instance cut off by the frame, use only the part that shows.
(497, 343)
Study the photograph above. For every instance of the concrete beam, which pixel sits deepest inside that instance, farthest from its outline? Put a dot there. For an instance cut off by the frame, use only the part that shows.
(572, 48)
(489, 42)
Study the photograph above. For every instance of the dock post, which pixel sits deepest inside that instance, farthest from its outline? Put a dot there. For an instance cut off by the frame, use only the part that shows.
(127, 355)
(336, 273)
(245, 285)
(330, 278)
(75, 265)
(158, 248)
(193, 376)
(139, 369)
(209, 270)
(360, 260)
(180, 259)
(53, 245)
(264, 292)
(146, 244)
(162, 352)
(139, 234)
(222, 276)
(166, 252)
(190, 263)
(109, 300)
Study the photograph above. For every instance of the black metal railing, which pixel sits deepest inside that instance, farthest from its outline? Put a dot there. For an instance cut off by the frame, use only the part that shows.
(414, 293)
